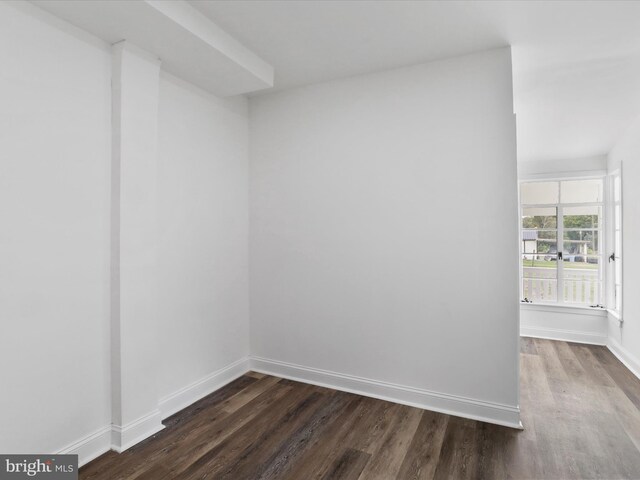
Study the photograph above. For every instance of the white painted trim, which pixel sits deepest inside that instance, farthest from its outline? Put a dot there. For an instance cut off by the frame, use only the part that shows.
(614, 315)
(591, 338)
(192, 393)
(564, 309)
(490, 412)
(124, 437)
(119, 439)
(564, 175)
(91, 446)
(628, 360)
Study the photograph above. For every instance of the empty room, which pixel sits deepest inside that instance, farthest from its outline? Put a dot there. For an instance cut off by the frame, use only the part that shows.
(290, 239)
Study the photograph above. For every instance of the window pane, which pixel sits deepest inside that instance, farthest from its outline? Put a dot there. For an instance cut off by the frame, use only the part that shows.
(582, 292)
(539, 193)
(540, 290)
(547, 246)
(618, 297)
(582, 282)
(539, 278)
(539, 241)
(581, 268)
(545, 217)
(616, 188)
(581, 191)
(579, 243)
(618, 217)
(582, 217)
(539, 266)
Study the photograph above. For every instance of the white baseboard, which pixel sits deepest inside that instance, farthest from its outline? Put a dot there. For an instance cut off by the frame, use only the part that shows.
(91, 446)
(505, 415)
(591, 338)
(120, 438)
(192, 393)
(629, 361)
(124, 437)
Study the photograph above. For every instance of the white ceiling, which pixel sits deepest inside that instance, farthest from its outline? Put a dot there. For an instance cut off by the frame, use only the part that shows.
(189, 44)
(576, 64)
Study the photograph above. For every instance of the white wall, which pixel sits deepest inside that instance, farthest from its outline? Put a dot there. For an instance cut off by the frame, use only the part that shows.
(54, 239)
(564, 323)
(55, 248)
(203, 299)
(625, 338)
(368, 197)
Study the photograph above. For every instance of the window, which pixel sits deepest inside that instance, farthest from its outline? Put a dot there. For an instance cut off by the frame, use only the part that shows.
(615, 250)
(561, 242)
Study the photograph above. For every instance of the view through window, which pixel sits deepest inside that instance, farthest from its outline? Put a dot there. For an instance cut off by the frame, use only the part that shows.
(561, 242)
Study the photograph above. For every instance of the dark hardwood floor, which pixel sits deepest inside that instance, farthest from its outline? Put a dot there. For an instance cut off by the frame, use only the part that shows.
(580, 408)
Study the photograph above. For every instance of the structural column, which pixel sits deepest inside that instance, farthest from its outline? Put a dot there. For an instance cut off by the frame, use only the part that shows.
(134, 355)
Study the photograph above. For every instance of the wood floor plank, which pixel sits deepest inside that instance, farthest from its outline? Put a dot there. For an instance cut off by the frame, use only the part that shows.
(235, 402)
(156, 472)
(624, 379)
(325, 448)
(596, 372)
(388, 457)
(568, 359)
(553, 445)
(553, 368)
(627, 414)
(237, 386)
(195, 430)
(229, 454)
(217, 430)
(534, 382)
(348, 466)
(458, 457)
(579, 407)
(372, 419)
(92, 469)
(519, 454)
(369, 437)
(422, 455)
(297, 443)
(257, 456)
(491, 445)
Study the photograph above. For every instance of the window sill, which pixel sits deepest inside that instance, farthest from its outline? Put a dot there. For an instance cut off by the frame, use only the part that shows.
(570, 309)
(615, 315)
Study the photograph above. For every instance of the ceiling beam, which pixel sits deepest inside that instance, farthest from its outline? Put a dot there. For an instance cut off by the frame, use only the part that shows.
(190, 45)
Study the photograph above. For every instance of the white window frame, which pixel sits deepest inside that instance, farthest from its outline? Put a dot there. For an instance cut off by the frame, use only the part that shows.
(560, 238)
(615, 225)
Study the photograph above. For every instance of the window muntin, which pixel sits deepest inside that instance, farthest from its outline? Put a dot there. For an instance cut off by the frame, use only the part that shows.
(561, 241)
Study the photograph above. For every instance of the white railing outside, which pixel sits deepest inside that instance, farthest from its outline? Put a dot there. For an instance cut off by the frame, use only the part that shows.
(581, 286)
